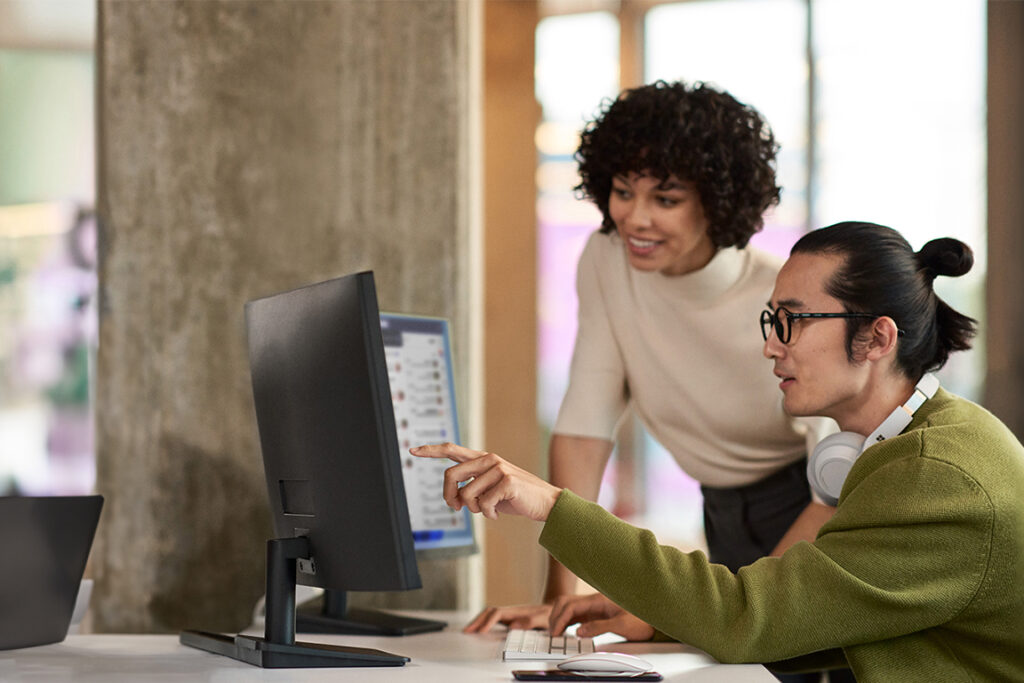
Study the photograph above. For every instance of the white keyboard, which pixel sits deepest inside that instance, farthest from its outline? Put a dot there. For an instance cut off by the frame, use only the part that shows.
(523, 644)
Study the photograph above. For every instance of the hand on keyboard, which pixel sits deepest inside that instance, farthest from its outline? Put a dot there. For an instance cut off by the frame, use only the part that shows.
(516, 616)
(540, 645)
(596, 614)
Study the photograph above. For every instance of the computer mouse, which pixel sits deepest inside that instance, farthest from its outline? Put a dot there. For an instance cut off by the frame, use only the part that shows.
(605, 661)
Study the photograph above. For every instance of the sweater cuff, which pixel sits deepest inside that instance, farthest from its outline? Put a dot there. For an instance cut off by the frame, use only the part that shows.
(564, 513)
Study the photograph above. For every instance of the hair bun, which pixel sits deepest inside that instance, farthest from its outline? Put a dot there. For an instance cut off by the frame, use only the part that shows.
(945, 256)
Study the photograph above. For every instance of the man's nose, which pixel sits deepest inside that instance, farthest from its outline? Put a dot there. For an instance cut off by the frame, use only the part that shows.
(773, 348)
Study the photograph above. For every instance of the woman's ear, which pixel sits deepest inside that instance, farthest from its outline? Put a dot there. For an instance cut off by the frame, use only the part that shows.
(884, 338)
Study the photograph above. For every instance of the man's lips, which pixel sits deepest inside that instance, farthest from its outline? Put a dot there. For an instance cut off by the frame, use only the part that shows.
(787, 380)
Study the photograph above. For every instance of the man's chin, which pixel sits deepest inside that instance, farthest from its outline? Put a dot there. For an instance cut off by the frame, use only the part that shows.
(793, 409)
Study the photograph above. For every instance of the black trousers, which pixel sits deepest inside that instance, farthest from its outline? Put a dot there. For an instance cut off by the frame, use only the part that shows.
(746, 523)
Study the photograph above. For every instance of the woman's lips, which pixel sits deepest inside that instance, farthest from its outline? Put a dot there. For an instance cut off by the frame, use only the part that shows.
(641, 247)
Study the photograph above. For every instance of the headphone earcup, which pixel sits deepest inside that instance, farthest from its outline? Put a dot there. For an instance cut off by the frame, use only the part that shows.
(831, 462)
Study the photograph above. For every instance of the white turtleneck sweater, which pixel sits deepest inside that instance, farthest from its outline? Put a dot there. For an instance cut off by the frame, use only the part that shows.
(687, 352)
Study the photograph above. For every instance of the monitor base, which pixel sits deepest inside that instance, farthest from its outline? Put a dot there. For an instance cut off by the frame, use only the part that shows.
(278, 650)
(262, 653)
(334, 616)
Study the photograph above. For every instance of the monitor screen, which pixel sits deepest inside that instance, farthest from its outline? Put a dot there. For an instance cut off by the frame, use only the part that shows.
(418, 352)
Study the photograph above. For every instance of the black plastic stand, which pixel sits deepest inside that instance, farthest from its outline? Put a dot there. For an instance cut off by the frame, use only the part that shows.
(278, 649)
(334, 616)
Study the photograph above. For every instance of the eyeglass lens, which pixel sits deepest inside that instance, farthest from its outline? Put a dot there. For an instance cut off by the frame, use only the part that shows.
(777, 319)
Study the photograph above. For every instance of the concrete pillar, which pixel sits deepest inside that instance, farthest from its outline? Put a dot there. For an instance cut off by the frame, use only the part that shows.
(246, 147)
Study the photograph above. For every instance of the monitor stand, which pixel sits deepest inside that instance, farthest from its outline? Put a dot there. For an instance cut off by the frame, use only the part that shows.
(278, 649)
(334, 616)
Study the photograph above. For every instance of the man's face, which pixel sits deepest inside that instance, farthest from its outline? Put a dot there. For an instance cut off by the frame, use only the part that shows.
(816, 376)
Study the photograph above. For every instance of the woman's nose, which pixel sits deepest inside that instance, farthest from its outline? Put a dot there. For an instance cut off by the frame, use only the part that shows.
(639, 216)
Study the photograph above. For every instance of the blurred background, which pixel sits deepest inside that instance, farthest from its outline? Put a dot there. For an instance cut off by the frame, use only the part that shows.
(47, 246)
(880, 107)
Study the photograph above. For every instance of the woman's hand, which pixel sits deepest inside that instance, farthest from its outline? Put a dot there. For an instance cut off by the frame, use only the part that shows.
(493, 485)
(597, 614)
(518, 616)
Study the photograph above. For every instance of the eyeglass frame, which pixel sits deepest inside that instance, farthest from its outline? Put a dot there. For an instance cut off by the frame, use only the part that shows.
(773, 320)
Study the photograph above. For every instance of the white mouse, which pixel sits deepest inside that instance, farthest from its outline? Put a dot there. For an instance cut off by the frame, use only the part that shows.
(605, 661)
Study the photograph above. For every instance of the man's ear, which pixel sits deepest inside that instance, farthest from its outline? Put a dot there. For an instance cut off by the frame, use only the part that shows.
(884, 338)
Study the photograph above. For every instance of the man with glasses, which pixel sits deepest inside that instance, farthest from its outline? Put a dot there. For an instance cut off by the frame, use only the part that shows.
(919, 575)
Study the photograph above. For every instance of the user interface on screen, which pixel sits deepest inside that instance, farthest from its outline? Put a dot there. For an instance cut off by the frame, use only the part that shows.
(419, 363)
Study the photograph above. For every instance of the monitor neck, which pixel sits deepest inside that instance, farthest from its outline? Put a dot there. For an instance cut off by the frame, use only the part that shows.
(282, 554)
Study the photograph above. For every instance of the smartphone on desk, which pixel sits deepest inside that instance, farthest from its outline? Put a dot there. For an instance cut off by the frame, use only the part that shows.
(562, 675)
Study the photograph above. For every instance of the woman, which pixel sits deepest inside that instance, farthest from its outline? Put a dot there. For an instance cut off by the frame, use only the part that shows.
(919, 575)
(682, 176)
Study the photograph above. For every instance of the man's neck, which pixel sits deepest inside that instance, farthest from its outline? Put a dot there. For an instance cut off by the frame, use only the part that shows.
(879, 399)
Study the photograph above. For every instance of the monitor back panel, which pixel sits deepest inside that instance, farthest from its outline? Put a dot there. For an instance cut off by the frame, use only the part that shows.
(327, 434)
(44, 544)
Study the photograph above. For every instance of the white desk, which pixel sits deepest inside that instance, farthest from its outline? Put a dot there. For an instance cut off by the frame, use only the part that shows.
(441, 656)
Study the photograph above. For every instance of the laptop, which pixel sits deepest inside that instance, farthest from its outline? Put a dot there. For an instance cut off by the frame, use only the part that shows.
(44, 543)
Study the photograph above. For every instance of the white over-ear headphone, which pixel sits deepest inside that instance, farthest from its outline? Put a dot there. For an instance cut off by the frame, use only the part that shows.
(834, 455)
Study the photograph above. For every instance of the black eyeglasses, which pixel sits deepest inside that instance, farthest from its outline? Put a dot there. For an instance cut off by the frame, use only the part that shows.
(782, 320)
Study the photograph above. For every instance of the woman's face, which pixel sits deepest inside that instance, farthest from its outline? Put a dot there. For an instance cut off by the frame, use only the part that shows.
(816, 377)
(661, 222)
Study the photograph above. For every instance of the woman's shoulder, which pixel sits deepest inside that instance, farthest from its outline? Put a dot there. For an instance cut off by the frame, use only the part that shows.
(763, 264)
(602, 247)
(604, 258)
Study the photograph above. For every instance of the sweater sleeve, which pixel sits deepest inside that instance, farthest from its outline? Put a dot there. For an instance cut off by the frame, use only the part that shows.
(597, 395)
(887, 564)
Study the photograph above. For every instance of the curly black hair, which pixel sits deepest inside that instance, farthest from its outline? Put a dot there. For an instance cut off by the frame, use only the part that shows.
(696, 133)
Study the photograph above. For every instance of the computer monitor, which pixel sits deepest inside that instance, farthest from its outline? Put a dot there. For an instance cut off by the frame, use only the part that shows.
(332, 465)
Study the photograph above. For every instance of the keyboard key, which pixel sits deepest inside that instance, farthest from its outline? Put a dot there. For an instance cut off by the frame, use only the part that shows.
(522, 644)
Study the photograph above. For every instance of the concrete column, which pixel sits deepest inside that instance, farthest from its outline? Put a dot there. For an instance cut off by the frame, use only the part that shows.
(246, 147)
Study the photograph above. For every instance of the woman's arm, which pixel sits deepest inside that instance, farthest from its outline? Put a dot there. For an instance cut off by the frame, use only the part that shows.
(577, 463)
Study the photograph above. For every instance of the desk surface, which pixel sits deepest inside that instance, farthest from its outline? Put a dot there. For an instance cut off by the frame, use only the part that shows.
(441, 656)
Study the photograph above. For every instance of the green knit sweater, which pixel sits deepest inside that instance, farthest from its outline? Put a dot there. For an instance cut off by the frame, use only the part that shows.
(919, 576)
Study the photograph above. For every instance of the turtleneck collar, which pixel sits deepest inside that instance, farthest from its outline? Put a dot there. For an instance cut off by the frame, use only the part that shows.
(723, 271)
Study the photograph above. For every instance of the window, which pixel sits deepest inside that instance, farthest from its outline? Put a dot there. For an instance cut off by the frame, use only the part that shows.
(47, 247)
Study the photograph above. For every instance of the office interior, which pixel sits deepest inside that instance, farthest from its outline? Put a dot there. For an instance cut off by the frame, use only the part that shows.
(238, 148)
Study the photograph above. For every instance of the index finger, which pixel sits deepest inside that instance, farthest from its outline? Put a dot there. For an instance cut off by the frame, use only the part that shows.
(451, 451)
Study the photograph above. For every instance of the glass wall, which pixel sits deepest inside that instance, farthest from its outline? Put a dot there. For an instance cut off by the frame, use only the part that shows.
(577, 66)
(900, 131)
(47, 247)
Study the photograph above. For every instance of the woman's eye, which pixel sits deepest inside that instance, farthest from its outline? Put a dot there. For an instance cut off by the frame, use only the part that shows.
(669, 201)
(620, 192)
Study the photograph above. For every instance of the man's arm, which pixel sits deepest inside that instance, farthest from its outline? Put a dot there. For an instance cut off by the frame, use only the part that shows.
(576, 463)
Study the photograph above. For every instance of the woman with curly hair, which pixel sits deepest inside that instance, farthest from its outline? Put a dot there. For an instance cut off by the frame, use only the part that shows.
(667, 289)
